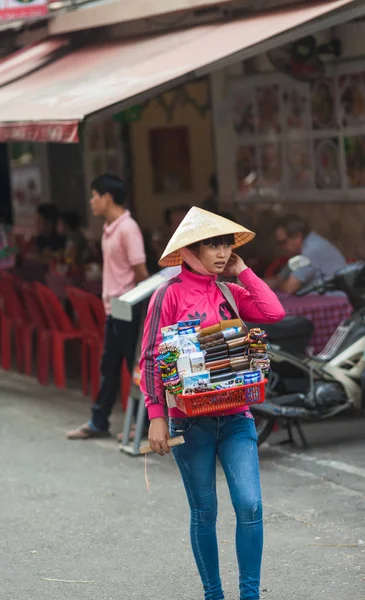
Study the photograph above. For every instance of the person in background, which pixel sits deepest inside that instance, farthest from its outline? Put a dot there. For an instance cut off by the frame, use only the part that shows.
(48, 241)
(172, 219)
(174, 216)
(76, 245)
(211, 202)
(123, 268)
(294, 237)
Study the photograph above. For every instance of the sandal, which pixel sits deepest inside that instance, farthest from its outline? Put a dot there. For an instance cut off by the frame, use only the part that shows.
(85, 433)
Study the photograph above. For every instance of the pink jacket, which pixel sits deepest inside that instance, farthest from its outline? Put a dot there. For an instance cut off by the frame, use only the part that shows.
(197, 296)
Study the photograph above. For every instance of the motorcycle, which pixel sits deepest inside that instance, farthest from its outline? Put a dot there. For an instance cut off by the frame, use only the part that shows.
(312, 388)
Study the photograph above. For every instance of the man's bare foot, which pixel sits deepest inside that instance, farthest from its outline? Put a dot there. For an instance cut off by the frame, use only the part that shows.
(132, 434)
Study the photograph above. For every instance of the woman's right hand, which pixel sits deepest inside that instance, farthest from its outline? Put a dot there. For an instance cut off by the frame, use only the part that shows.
(158, 435)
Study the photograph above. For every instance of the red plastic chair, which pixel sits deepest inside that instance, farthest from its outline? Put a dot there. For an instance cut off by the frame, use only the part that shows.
(6, 329)
(62, 330)
(92, 338)
(14, 320)
(97, 308)
(42, 327)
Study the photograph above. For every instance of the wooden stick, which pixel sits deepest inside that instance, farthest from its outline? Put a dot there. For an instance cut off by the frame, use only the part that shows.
(172, 442)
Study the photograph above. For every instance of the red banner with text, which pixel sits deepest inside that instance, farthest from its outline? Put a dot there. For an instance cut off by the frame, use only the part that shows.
(58, 132)
(22, 9)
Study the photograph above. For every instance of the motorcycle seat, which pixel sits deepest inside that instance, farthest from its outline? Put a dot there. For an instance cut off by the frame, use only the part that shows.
(289, 328)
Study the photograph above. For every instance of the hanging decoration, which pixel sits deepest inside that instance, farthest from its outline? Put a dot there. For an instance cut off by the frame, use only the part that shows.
(168, 102)
(182, 97)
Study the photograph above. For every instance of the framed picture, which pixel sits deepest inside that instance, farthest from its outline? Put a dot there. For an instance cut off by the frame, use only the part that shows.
(296, 106)
(243, 110)
(268, 108)
(299, 164)
(327, 161)
(271, 164)
(324, 104)
(352, 99)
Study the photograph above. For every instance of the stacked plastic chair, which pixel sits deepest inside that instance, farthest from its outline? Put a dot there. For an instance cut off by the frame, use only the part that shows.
(61, 331)
(89, 311)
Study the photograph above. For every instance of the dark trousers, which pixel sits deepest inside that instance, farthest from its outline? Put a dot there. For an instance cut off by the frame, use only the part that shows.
(120, 342)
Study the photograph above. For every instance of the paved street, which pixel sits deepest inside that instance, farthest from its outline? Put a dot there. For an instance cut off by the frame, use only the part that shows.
(79, 512)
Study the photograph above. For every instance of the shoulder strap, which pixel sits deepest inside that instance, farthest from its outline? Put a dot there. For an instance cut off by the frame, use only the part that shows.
(231, 301)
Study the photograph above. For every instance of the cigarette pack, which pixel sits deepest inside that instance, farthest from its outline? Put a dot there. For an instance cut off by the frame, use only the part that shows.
(169, 331)
(187, 331)
(247, 377)
(173, 341)
(189, 323)
(231, 331)
(183, 365)
(197, 362)
(190, 382)
(189, 343)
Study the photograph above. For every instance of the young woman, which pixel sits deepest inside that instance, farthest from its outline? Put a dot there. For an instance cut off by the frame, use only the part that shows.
(203, 244)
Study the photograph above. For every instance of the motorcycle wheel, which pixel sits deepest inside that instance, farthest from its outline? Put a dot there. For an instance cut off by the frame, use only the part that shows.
(264, 426)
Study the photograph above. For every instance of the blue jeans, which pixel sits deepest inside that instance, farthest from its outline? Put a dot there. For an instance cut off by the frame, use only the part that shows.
(234, 440)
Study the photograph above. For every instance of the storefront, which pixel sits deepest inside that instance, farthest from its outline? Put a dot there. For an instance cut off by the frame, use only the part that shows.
(50, 95)
(285, 145)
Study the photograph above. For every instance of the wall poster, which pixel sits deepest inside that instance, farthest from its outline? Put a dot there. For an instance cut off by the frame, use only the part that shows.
(26, 187)
(300, 140)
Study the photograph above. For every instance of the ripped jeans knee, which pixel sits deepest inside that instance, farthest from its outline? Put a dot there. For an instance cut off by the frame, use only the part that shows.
(248, 511)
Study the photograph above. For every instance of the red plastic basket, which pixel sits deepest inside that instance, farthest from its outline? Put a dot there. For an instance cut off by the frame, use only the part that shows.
(211, 402)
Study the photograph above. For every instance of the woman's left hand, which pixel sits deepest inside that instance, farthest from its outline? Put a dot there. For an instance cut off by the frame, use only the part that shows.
(235, 266)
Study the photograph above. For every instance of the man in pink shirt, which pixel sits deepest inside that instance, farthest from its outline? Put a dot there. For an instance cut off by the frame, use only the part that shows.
(124, 267)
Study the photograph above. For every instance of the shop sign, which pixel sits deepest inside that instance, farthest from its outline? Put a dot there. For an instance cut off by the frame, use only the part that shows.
(130, 114)
(22, 9)
(59, 132)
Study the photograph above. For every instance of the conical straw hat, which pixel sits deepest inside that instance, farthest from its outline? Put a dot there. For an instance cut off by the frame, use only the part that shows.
(201, 225)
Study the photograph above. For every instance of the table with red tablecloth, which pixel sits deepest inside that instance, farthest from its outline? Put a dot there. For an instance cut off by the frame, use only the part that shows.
(325, 312)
